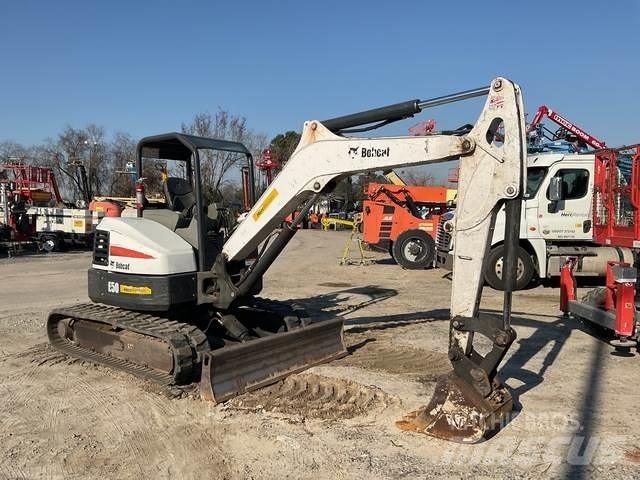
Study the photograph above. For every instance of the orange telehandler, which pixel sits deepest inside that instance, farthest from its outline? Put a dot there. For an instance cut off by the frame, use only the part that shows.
(402, 220)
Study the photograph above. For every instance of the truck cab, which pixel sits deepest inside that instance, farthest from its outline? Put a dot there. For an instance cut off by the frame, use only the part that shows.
(556, 222)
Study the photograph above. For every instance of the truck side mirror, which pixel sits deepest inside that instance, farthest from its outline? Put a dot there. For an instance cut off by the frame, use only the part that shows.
(555, 189)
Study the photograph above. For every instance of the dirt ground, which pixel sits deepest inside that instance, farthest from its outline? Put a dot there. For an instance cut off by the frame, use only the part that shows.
(576, 414)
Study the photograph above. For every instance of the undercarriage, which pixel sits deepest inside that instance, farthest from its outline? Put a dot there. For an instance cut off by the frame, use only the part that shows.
(180, 349)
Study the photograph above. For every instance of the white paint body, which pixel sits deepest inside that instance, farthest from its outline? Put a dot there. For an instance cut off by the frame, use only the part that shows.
(170, 253)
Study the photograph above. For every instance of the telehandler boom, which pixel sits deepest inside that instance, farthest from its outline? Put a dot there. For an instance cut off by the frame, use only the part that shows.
(175, 293)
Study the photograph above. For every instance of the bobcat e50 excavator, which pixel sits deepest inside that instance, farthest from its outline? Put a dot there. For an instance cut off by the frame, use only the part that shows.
(175, 297)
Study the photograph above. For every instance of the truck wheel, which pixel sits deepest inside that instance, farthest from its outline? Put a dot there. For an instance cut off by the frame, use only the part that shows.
(493, 270)
(414, 249)
(50, 243)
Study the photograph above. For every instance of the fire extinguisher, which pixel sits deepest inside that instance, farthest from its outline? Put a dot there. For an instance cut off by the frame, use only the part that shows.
(140, 199)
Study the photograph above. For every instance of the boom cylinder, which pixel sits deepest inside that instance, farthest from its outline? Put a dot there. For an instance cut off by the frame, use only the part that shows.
(273, 251)
(399, 111)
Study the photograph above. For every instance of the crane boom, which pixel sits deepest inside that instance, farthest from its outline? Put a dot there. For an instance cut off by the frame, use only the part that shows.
(564, 123)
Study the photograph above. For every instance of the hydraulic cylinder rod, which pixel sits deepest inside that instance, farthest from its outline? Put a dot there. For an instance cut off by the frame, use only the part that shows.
(399, 111)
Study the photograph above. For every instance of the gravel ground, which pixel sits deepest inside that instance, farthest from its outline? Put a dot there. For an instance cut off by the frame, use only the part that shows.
(575, 413)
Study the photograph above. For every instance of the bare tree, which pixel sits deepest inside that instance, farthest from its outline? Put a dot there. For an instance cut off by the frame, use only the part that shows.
(12, 151)
(97, 165)
(418, 177)
(122, 151)
(79, 153)
(217, 166)
(75, 150)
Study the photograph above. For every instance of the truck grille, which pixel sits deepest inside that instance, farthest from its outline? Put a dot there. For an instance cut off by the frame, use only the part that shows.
(443, 239)
(101, 248)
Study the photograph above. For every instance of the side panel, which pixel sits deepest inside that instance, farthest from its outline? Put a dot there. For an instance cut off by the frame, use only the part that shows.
(142, 292)
(384, 219)
(376, 219)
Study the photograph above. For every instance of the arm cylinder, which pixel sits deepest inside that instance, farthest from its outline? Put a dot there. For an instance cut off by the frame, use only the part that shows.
(510, 261)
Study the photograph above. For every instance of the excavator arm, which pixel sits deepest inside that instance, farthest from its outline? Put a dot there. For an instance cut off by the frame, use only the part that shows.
(470, 403)
(320, 161)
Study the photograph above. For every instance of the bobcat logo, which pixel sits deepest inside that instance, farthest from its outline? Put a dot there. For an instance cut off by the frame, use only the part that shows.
(371, 152)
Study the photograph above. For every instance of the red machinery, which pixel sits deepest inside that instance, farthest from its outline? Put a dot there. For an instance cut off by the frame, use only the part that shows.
(267, 164)
(21, 187)
(36, 185)
(566, 125)
(616, 222)
(403, 220)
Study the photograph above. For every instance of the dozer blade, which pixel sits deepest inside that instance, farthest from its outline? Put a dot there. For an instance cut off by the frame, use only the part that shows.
(457, 412)
(241, 368)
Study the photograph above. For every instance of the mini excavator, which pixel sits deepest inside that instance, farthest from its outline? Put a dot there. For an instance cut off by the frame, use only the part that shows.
(175, 290)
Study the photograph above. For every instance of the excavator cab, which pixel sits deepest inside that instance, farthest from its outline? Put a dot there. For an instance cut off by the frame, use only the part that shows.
(185, 195)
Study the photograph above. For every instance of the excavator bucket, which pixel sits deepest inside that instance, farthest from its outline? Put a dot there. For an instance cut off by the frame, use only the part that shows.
(459, 413)
(241, 368)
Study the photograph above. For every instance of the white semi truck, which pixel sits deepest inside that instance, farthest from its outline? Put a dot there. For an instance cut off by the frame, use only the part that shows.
(550, 229)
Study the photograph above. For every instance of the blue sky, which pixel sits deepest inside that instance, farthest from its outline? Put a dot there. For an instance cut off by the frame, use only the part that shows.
(145, 67)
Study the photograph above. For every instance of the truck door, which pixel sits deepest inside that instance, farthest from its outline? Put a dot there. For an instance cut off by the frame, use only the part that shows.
(570, 217)
(530, 227)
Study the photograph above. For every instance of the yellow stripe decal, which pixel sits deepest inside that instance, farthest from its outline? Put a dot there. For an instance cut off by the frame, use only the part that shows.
(269, 197)
(131, 290)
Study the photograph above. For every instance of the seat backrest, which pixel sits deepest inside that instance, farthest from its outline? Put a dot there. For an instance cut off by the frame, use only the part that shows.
(179, 194)
(163, 216)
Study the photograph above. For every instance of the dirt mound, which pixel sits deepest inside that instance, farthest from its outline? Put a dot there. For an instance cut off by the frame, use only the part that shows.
(315, 396)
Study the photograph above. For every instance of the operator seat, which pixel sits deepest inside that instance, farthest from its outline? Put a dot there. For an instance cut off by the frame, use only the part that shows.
(182, 213)
(179, 195)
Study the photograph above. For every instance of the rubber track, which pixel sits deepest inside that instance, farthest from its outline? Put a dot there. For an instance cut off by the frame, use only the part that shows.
(186, 341)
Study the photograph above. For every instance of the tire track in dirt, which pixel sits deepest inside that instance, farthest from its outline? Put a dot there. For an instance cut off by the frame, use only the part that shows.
(11, 472)
(100, 405)
(375, 350)
(133, 429)
(155, 429)
(316, 396)
(19, 393)
(396, 359)
(51, 425)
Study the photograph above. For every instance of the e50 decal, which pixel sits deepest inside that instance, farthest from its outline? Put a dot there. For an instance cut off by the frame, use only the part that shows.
(116, 287)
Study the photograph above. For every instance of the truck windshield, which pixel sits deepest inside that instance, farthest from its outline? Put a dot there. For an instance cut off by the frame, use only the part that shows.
(535, 176)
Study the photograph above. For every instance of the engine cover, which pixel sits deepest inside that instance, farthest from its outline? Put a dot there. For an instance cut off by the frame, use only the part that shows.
(141, 246)
(140, 264)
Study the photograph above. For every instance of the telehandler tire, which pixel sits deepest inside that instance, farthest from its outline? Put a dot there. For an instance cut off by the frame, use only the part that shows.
(414, 250)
